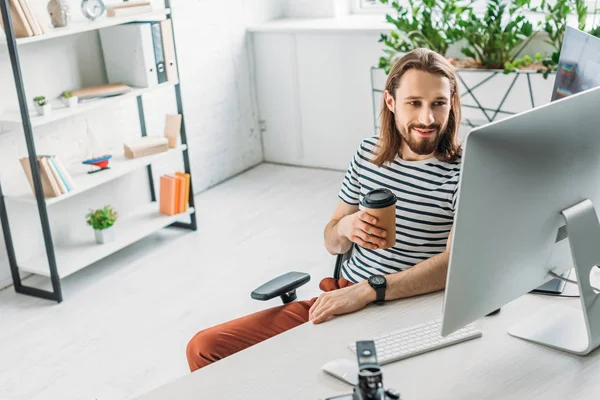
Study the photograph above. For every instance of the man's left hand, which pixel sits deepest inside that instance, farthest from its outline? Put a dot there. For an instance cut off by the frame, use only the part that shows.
(341, 301)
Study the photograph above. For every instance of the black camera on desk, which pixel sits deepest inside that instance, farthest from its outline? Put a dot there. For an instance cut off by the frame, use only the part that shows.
(370, 377)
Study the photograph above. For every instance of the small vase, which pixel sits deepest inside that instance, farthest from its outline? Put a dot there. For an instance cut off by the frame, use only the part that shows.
(70, 101)
(105, 235)
(42, 110)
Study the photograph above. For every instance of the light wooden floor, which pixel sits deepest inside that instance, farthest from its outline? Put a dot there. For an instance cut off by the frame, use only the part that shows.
(125, 322)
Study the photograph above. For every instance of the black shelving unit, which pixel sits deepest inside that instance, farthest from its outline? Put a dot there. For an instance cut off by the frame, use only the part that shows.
(56, 294)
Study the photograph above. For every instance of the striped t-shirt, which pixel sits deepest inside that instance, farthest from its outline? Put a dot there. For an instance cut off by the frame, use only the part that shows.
(426, 192)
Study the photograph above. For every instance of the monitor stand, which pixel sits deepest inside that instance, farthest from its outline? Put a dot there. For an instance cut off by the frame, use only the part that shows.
(566, 328)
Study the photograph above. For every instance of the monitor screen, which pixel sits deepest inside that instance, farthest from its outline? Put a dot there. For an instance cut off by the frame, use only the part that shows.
(579, 64)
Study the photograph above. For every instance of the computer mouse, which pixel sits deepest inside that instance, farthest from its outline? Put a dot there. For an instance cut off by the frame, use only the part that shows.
(343, 369)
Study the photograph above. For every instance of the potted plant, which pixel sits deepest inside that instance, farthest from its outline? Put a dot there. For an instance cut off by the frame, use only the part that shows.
(42, 107)
(102, 220)
(68, 98)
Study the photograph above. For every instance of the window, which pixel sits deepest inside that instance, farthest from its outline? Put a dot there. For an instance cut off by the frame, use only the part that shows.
(369, 6)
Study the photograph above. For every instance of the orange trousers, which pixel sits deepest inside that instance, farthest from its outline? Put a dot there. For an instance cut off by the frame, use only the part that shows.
(223, 340)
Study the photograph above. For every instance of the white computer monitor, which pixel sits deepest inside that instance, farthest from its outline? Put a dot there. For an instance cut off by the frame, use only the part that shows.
(523, 180)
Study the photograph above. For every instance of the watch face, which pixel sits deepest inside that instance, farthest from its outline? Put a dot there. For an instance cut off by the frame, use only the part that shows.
(377, 280)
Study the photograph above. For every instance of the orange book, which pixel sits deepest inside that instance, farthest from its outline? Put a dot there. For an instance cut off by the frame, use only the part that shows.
(180, 183)
(168, 203)
(186, 195)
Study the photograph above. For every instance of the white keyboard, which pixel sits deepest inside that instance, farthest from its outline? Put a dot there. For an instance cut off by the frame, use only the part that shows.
(417, 339)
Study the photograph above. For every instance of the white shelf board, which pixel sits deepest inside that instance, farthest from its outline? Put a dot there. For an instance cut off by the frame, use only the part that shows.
(85, 251)
(61, 111)
(86, 26)
(119, 166)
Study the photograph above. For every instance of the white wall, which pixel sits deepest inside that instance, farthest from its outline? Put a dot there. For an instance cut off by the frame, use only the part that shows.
(219, 105)
(314, 88)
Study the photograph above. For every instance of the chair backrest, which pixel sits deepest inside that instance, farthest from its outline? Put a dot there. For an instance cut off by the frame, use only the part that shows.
(337, 271)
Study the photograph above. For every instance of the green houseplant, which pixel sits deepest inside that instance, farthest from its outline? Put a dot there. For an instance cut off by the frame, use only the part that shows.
(103, 220)
(42, 107)
(68, 98)
(499, 36)
(433, 24)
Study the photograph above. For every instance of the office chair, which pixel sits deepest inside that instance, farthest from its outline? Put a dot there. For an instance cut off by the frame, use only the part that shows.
(285, 285)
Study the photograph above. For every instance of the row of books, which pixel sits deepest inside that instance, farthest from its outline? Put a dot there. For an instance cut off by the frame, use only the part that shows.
(56, 180)
(174, 193)
(25, 19)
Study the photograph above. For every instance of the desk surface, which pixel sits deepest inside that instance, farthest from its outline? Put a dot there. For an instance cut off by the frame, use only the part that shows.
(495, 366)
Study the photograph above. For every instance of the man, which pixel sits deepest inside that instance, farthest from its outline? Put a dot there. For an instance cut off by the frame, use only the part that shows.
(417, 157)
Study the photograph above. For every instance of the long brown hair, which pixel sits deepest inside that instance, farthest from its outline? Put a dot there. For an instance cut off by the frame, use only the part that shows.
(390, 138)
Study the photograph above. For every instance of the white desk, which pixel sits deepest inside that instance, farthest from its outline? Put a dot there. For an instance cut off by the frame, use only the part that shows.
(495, 366)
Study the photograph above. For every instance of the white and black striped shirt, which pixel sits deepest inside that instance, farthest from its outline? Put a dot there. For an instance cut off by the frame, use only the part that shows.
(426, 192)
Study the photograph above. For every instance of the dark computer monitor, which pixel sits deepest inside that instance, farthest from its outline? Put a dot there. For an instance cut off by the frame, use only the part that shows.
(579, 64)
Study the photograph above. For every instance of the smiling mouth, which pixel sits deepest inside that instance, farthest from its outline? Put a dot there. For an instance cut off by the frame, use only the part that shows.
(424, 132)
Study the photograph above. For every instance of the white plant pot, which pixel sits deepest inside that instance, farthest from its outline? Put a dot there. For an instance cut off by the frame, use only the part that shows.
(43, 110)
(501, 95)
(70, 101)
(105, 235)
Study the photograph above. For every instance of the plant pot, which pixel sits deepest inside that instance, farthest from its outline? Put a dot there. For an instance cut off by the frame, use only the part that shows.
(491, 95)
(105, 235)
(43, 110)
(70, 101)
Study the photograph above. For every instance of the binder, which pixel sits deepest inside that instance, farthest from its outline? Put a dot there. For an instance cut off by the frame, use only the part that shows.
(166, 28)
(159, 56)
(129, 54)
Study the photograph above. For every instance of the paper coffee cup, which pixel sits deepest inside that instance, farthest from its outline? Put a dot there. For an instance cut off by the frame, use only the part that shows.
(381, 204)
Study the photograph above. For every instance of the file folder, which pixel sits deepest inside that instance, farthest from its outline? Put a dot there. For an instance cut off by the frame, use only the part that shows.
(169, 51)
(129, 55)
(158, 52)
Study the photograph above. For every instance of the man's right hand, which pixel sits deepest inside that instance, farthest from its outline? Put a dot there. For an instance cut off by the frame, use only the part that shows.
(361, 229)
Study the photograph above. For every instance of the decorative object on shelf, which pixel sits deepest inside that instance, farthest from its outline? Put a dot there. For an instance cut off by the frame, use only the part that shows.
(68, 98)
(128, 8)
(42, 107)
(92, 9)
(101, 91)
(145, 146)
(172, 129)
(100, 162)
(60, 13)
(103, 220)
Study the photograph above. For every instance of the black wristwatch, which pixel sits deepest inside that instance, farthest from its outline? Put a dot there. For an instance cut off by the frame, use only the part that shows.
(378, 283)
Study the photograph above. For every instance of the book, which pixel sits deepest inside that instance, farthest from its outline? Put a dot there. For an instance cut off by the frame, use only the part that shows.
(179, 185)
(57, 177)
(61, 173)
(145, 146)
(130, 8)
(43, 162)
(21, 27)
(167, 201)
(31, 19)
(65, 173)
(186, 193)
